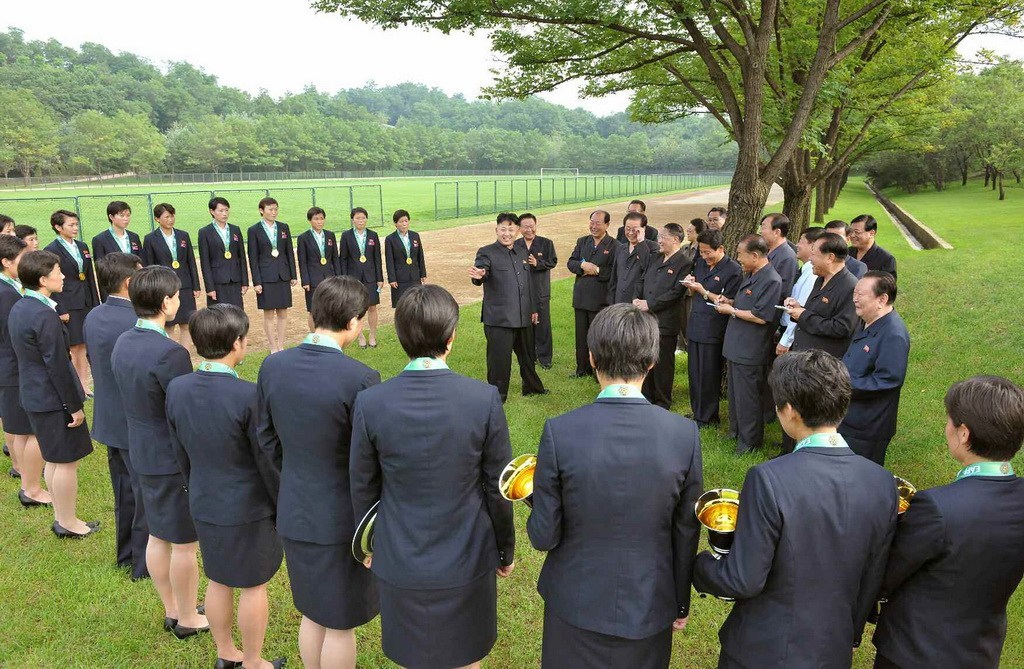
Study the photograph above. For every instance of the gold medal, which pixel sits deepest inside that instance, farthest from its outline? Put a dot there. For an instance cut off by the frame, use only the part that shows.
(227, 254)
(81, 276)
(362, 258)
(408, 261)
(175, 264)
(275, 253)
(323, 261)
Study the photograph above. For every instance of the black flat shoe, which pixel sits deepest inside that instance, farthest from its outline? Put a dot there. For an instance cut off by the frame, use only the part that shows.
(15, 474)
(546, 391)
(28, 502)
(182, 632)
(171, 623)
(227, 664)
(68, 534)
(546, 365)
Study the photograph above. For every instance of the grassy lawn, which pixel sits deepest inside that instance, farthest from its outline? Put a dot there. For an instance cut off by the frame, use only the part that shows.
(65, 604)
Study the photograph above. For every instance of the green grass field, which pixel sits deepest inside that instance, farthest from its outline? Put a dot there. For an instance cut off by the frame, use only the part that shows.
(432, 202)
(66, 606)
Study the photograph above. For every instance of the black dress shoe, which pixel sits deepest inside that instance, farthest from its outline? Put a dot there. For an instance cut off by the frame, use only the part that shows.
(279, 662)
(94, 525)
(546, 391)
(28, 502)
(15, 474)
(577, 375)
(201, 609)
(182, 632)
(170, 624)
(546, 365)
(227, 664)
(68, 534)
(6, 452)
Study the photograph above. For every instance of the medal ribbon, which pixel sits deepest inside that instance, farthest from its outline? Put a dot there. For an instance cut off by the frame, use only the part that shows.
(271, 231)
(42, 298)
(127, 246)
(361, 243)
(405, 243)
(225, 235)
(320, 239)
(150, 325)
(322, 340)
(822, 440)
(619, 390)
(72, 248)
(171, 245)
(425, 364)
(216, 368)
(986, 469)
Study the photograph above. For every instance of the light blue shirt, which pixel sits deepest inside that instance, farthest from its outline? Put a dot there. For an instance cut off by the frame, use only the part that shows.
(801, 291)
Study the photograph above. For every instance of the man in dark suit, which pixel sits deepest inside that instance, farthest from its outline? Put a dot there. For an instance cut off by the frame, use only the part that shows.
(646, 233)
(957, 558)
(828, 317)
(630, 262)
(749, 341)
(812, 536)
(541, 259)
(591, 261)
(103, 326)
(595, 503)
(318, 256)
(117, 239)
(509, 309)
(144, 361)
(659, 292)
(222, 257)
(877, 361)
(403, 252)
(856, 267)
(863, 230)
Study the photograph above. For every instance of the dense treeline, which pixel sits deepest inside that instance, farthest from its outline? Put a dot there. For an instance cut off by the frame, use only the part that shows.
(91, 111)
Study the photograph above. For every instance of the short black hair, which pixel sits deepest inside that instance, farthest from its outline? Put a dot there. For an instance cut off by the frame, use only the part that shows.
(116, 207)
(607, 217)
(778, 222)
(266, 202)
(34, 266)
(161, 209)
(814, 383)
(11, 246)
(336, 301)
(399, 214)
(718, 210)
(215, 329)
(883, 284)
(22, 231)
(868, 220)
(838, 224)
(624, 342)
(59, 217)
(834, 244)
(358, 210)
(214, 201)
(635, 216)
(643, 205)
(675, 230)
(712, 238)
(813, 233)
(5, 220)
(527, 215)
(113, 268)
(313, 211)
(755, 244)
(425, 320)
(698, 224)
(507, 217)
(150, 286)
(992, 408)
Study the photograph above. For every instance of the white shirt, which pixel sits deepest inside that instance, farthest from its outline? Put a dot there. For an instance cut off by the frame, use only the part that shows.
(801, 291)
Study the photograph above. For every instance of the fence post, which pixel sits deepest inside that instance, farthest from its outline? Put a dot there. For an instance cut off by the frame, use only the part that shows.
(351, 199)
(435, 200)
(314, 195)
(380, 201)
(458, 214)
(477, 197)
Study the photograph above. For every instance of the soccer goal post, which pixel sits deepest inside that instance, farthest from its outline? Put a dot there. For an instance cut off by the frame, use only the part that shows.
(559, 171)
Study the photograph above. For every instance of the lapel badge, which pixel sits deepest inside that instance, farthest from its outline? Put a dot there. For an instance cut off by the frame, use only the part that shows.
(824, 299)
(670, 271)
(135, 247)
(867, 349)
(718, 278)
(234, 237)
(330, 242)
(606, 251)
(284, 235)
(539, 254)
(748, 292)
(416, 243)
(183, 243)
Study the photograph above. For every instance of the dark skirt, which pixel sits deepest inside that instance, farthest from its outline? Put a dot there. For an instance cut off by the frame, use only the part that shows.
(439, 629)
(566, 645)
(373, 293)
(275, 295)
(15, 419)
(75, 324)
(240, 556)
(167, 510)
(328, 586)
(227, 293)
(187, 308)
(57, 442)
(397, 293)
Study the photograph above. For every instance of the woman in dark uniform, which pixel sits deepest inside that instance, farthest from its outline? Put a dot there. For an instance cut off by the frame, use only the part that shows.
(50, 390)
(360, 257)
(80, 293)
(430, 445)
(272, 263)
(318, 256)
(17, 428)
(172, 248)
(403, 254)
(231, 487)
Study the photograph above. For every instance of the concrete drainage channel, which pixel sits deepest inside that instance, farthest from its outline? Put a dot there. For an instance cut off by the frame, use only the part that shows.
(918, 235)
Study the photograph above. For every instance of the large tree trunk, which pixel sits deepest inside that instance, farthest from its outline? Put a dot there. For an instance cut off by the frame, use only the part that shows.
(819, 203)
(796, 205)
(1002, 191)
(747, 197)
(987, 173)
(1016, 175)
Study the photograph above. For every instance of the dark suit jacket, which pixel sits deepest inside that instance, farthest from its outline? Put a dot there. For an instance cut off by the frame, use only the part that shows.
(877, 362)
(543, 249)
(705, 325)
(955, 563)
(394, 253)
(508, 292)
(216, 268)
(618, 523)
(104, 243)
(660, 286)
(627, 270)
(590, 293)
(8, 360)
(430, 446)
(211, 420)
(144, 363)
(650, 232)
(783, 259)
(369, 271)
(46, 379)
(748, 343)
(829, 316)
(878, 259)
(856, 267)
(155, 252)
(266, 268)
(304, 397)
(311, 272)
(807, 559)
(77, 294)
(103, 326)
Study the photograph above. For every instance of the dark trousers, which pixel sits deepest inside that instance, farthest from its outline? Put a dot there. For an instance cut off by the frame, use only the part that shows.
(704, 368)
(746, 419)
(542, 332)
(684, 316)
(883, 663)
(129, 517)
(227, 293)
(583, 320)
(767, 400)
(501, 342)
(657, 386)
(872, 449)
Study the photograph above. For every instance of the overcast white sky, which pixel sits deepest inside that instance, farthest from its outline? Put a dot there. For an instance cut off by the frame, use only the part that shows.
(289, 46)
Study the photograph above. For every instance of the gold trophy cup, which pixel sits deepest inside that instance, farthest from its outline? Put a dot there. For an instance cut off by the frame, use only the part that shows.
(906, 491)
(516, 480)
(717, 510)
